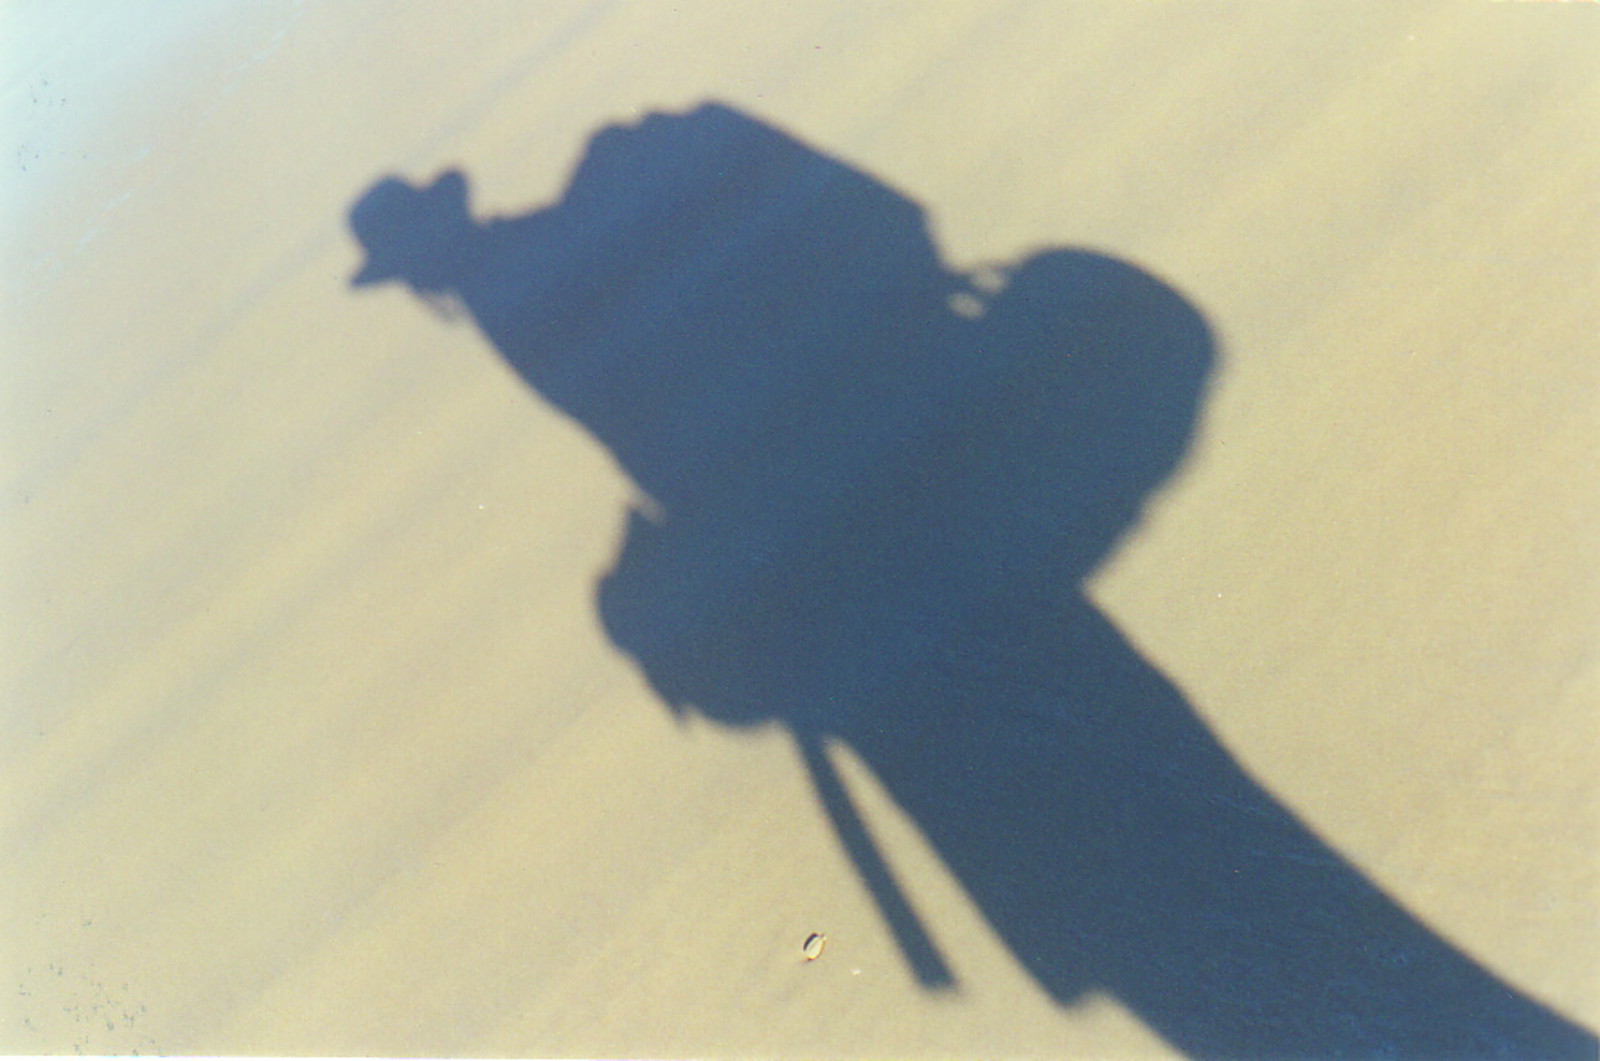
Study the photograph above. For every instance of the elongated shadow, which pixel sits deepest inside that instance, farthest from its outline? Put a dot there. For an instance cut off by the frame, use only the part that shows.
(875, 489)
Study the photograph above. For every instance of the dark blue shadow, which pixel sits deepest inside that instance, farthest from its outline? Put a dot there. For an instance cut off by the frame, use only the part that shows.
(876, 487)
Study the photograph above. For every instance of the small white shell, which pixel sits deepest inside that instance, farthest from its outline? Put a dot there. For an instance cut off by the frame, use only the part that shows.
(813, 946)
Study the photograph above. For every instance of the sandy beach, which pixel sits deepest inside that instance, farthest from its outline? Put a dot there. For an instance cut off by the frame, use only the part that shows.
(335, 719)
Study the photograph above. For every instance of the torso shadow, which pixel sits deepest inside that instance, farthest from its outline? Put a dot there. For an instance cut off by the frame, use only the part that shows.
(874, 489)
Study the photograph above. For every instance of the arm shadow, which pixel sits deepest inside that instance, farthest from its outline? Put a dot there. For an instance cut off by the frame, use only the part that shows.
(875, 487)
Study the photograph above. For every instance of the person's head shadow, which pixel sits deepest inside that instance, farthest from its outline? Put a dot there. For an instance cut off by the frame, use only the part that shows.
(871, 488)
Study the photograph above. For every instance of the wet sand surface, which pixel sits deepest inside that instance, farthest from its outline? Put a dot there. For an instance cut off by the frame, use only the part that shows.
(314, 739)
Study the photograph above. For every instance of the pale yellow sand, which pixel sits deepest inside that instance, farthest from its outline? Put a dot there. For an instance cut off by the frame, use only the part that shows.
(312, 739)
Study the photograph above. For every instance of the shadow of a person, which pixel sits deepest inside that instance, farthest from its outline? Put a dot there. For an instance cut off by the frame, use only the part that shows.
(874, 489)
